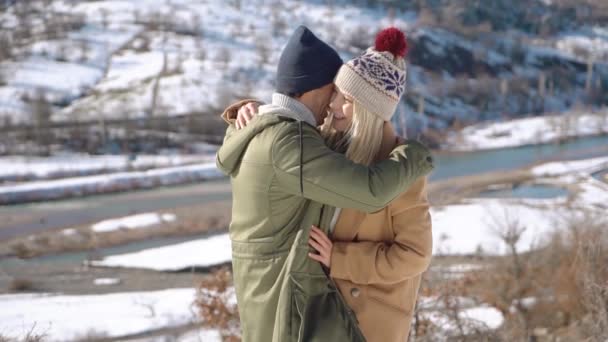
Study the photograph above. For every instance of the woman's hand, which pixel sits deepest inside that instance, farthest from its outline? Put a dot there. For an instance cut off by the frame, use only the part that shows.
(245, 114)
(322, 244)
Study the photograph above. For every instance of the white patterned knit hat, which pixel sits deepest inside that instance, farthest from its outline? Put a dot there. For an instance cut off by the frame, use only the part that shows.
(376, 79)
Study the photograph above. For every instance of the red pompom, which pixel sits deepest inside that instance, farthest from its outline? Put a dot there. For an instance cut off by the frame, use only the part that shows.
(392, 40)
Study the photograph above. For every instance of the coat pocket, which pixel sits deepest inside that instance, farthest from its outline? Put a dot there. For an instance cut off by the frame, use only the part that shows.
(384, 322)
(318, 313)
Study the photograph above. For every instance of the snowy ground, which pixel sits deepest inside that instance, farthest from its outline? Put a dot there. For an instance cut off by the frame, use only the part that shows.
(469, 228)
(114, 182)
(471, 314)
(17, 168)
(528, 131)
(473, 226)
(594, 41)
(132, 222)
(215, 72)
(584, 167)
(64, 69)
(206, 252)
(464, 228)
(66, 317)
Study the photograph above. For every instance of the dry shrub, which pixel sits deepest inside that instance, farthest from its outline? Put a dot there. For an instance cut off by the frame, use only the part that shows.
(30, 336)
(557, 292)
(215, 306)
(92, 335)
(592, 280)
(21, 250)
(21, 285)
(553, 290)
(441, 319)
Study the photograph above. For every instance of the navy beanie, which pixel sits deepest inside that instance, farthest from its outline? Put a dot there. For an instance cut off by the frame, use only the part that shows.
(306, 63)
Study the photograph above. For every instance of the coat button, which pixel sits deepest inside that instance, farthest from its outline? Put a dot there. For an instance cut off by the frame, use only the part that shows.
(355, 292)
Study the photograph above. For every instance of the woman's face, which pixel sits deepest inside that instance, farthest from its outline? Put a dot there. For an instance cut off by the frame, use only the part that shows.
(341, 106)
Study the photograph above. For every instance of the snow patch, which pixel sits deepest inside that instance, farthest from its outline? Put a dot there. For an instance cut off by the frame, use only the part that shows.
(115, 182)
(65, 317)
(207, 252)
(528, 131)
(106, 281)
(132, 222)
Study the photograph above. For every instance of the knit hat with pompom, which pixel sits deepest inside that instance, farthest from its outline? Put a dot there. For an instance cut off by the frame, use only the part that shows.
(376, 79)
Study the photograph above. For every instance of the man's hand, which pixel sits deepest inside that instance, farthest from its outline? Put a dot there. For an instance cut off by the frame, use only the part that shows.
(322, 244)
(245, 114)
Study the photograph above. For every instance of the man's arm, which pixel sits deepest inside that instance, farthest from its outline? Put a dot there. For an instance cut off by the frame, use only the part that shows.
(409, 255)
(329, 177)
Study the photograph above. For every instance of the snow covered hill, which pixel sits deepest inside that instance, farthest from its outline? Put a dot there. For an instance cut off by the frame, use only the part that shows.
(148, 58)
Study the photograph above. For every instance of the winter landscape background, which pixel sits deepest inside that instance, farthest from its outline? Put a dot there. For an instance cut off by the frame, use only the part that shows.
(113, 217)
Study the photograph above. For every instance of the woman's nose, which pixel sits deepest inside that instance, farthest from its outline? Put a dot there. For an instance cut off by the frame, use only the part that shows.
(332, 105)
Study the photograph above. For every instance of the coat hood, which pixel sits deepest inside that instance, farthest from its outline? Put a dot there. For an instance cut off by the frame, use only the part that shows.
(236, 141)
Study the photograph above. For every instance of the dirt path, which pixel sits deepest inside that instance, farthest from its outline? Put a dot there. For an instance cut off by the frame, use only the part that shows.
(75, 278)
(38, 217)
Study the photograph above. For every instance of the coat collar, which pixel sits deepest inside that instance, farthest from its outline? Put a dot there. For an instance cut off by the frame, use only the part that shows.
(284, 105)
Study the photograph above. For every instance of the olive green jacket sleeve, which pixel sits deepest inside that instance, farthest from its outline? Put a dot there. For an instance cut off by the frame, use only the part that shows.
(409, 255)
(330, 178)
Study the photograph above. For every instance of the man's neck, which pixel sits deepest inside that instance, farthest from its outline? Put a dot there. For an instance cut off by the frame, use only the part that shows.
(309, 102)
(301, 110)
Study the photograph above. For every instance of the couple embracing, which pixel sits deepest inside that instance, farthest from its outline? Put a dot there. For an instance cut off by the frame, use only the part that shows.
(330, 226)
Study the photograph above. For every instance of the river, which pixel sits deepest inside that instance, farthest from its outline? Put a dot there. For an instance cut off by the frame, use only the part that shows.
(29, 218)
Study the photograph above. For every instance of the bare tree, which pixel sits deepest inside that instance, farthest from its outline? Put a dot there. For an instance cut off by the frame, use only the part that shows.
(2, 78)
(359, 39)
(62, 52)
(588, 80)
(84, 50)
(237, 4)
(223, 56)
(104, 18)
(154, 22)
(225, 96)
(592, 277)
(279, 25)
(5, 46)
(197, 26)
(263, 50)
(7, 122)
(143, 43)
(426, 17)
(41, 112)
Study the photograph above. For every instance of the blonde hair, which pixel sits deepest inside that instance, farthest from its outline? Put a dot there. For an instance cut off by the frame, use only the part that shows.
(361, 141)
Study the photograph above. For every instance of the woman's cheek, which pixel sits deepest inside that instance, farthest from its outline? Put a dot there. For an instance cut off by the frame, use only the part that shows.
(340, 125)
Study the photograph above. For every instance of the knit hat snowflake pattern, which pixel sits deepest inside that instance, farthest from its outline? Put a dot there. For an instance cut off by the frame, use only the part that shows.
(376, 79)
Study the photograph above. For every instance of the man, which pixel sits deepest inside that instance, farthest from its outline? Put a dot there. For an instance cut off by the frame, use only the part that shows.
(282, 173)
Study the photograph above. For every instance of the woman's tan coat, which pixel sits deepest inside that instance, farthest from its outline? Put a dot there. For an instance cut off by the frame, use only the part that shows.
(378, 259)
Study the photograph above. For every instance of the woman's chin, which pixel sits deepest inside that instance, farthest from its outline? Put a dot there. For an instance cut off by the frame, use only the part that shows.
(339, 125)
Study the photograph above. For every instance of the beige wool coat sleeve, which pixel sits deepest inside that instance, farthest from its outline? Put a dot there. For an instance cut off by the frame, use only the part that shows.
(390, 262)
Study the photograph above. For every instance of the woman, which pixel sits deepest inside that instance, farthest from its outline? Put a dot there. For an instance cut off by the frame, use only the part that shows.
(375, 259)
